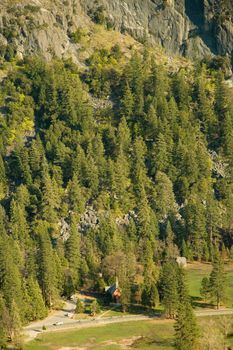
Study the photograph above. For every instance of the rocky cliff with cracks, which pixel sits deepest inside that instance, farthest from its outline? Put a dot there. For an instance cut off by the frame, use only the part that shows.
(193, 28)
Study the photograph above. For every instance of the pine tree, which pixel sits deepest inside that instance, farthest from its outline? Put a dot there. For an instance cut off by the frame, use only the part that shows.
(123, 137)
(205, 288)
(3, 179)
(72, 252)
(3, 330)
(168, 285)
(186, 329)
(217, 282)
(10, 277)
(36, 156)
(171, 250)
(164, 197)
(37, 305)
(51, 197)
(15, 323)
(161, 154)
(181, 89)
(154, 296)
(70, 283)
(125, 294)
(127, 103)
(94, 308)
(79, 307)
(18, 223)
(47, 270)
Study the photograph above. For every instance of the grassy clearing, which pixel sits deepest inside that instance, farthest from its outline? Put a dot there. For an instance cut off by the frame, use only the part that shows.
(195, 273)
(146, 335)
(139, 335)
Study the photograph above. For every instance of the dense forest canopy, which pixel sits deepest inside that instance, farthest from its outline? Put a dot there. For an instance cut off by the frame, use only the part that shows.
(152, 163)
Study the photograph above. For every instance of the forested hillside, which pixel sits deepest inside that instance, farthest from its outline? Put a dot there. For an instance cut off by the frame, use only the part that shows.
(108, 170)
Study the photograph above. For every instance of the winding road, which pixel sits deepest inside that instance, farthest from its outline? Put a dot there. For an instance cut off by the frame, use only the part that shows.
(58, 320)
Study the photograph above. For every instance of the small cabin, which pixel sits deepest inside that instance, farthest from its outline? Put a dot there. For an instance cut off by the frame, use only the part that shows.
(114, 291)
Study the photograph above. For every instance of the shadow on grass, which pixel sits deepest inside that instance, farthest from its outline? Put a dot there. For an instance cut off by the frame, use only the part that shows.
(197, 302)
(145, 341)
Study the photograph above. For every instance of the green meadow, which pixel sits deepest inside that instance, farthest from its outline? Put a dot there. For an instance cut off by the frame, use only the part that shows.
(195, 273)
(138, 335)
(153, 335)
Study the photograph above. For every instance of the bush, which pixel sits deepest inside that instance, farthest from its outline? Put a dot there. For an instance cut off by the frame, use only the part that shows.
(99, 16)
(10, 52)
(32, 8)
(2, 50)
(116, 52)
(77, 36)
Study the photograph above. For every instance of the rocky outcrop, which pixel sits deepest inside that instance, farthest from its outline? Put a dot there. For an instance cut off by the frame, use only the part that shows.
(89, 220)
(41, 27)
(192, 28)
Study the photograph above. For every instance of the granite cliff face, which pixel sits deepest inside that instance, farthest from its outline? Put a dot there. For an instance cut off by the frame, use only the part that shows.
(194, 28)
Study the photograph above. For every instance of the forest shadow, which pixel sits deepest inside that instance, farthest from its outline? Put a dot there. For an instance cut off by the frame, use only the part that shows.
(197, 302)
(146, 341)
(194, 9)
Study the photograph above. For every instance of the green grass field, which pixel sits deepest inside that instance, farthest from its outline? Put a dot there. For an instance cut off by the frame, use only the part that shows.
(137, 335)
(196, 271)
(146, 335)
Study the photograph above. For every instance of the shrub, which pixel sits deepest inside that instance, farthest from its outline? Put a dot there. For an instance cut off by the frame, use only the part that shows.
(77, 36)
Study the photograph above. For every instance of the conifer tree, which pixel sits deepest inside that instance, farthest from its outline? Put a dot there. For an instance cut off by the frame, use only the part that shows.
(79, 307)
(94, 307)
(168, 284)
(18, 223)
(3, 330)
(186, 329)
(37, 305)
(10, 278)
(73, 250)
(171, 249)
(127, 103)
(205, 288)
(123, 137)
(125, 294)
(3, 179)
(51, 198)
(76, 197)
(15, 323)
(217, 282)
(47, 271)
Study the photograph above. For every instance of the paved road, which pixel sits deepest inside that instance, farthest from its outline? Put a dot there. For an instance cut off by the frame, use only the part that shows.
(35, 328)
(221, 312)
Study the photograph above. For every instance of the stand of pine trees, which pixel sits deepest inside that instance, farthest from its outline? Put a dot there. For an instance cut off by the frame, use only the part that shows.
(156, 168)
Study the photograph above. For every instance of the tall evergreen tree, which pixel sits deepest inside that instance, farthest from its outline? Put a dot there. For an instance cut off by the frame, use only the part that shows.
(217, 282)
(168, 284)
(186, 330)
(47, 271)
